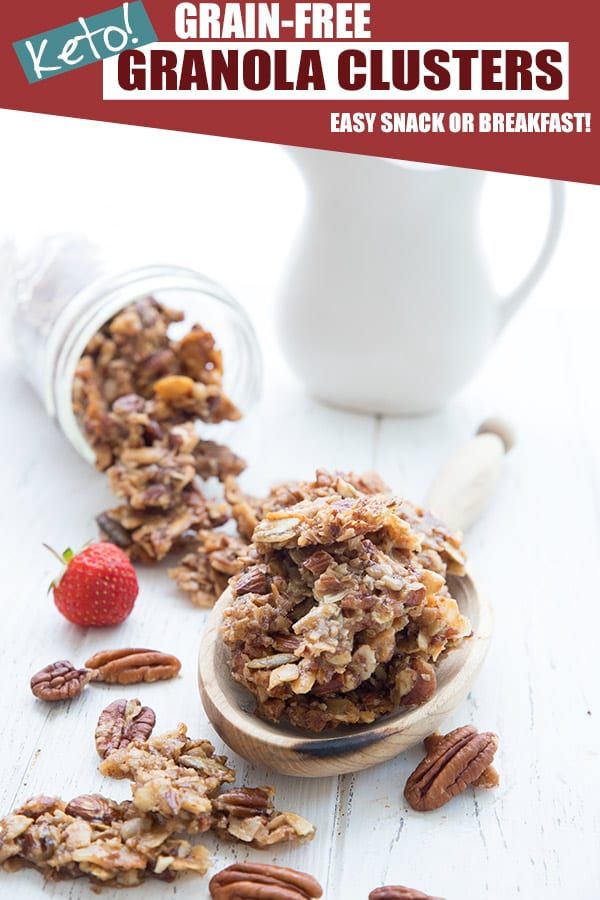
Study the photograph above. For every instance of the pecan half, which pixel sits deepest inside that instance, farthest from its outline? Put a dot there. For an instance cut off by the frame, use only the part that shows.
(246, 881)
(459, 760)
(132, 665)
(252, 581)
(398, 892)
(93, 808)
(59, 681)
(244, 801)
(488, 779)
(121, 723)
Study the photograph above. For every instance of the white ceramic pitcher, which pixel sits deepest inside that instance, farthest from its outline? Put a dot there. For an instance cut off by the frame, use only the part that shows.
(387, 305)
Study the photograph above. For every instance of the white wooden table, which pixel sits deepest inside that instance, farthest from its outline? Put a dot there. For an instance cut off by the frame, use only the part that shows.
(536, 552)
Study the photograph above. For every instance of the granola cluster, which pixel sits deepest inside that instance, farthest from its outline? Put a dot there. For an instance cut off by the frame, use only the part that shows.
(342, 608)
(137, 394)
(176, 785)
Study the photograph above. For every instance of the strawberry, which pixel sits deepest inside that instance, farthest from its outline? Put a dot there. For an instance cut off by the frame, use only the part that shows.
(98, 586)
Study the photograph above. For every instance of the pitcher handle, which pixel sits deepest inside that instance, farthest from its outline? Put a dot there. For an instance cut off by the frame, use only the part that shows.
(513, 301)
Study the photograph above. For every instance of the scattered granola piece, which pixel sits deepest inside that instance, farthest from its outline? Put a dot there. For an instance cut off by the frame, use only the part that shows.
(204, 572)
(150, 535)
(137, 395)
(175, 784)
(247, 815)
(110, 843)
(177, 778)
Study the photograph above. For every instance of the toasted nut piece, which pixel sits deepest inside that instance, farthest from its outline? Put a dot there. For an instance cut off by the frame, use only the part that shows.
(172, 387)
(283, 675)
(488, 779)
(245, 881)
(93, 808)
(242, 802)
(37, 806)
(253, 581)
(114, 531)
(398, 892)
(459, 760)
(415, 683)
(121, 723)
(132, 665)
(59, 681)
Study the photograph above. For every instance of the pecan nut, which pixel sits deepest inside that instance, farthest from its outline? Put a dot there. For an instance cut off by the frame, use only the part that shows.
(246, 881)
(253, 581)
(132, 665)
(488, 779)
(59, 681)
(398, 892)
(93, 808)
(244, 801)
(121, 723)
(460, 758)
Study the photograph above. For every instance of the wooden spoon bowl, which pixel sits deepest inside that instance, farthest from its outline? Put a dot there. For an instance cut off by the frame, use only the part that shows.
(459, 494)
(294, 751)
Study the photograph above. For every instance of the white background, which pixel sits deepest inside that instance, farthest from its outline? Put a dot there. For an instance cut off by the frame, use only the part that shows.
(231, 209)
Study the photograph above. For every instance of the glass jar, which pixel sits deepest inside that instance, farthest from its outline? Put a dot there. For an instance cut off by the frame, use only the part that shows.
(62, 291)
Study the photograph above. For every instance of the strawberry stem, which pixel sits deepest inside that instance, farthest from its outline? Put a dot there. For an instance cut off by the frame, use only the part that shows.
(62, 559)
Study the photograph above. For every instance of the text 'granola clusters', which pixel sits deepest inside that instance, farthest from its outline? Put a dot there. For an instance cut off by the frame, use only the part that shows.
(137, 394)
(342, 607)
(180, 787)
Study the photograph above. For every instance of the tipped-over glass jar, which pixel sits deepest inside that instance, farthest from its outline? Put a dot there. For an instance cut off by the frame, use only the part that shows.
(62, 292)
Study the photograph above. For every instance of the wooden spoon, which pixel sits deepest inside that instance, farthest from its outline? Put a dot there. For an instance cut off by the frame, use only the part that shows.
(458, 494)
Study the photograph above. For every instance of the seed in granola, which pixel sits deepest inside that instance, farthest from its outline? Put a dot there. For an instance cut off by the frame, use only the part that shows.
(121, 723)
(132, 665)
(398, 892)
(458, 760)
(59, 681)
(244, 881)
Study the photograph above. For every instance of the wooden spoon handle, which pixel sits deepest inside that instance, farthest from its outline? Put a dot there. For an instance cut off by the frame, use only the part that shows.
(464, 486)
